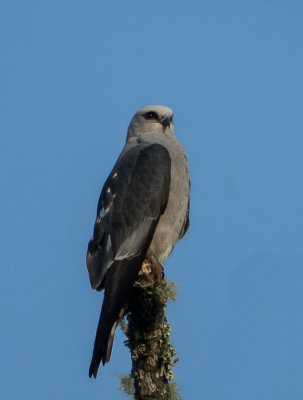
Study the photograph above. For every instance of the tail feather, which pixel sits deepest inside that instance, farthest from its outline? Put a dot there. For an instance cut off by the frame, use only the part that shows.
(119, 281)
(102, 351)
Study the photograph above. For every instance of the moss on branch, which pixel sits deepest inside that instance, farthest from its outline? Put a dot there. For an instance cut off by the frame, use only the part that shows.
(148, 338)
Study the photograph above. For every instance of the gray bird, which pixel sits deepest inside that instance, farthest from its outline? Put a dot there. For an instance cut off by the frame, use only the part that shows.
(142, 212)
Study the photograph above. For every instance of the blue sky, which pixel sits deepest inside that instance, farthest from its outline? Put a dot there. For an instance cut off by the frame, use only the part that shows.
(72, 75)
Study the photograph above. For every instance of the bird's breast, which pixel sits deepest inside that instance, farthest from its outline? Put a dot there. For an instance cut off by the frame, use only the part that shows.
(171, 222)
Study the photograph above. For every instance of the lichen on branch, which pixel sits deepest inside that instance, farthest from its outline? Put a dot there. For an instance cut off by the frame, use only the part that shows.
(148, 338)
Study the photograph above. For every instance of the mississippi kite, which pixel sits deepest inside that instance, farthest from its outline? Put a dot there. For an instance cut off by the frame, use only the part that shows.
(142, 212)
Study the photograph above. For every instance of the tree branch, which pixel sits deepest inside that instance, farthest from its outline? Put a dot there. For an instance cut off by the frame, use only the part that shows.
(148, 333)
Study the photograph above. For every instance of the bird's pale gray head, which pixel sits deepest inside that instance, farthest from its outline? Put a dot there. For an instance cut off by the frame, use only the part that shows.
(152, 119)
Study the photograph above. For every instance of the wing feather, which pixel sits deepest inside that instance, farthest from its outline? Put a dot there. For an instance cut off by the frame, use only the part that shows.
(134, 195)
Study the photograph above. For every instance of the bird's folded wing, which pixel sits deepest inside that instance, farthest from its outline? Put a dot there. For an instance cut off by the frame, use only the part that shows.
(133, 197)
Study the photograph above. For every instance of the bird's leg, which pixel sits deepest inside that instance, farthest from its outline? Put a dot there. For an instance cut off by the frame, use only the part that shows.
(151, 272)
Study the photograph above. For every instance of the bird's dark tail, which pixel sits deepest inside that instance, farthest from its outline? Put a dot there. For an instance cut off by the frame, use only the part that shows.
(103, 344)
(119, 281)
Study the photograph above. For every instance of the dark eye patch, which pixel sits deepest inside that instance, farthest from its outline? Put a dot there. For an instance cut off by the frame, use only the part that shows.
(151, 115)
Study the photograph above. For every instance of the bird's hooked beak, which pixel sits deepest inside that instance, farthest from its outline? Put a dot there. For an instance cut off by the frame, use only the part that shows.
(165, 122)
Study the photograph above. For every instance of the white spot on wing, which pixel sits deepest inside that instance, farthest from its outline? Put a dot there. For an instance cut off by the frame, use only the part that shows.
(115, 175)
(109, 243)
(104, 211)
(108, 190)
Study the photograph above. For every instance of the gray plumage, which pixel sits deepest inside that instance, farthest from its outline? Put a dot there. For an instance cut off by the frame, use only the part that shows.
(142, 212)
